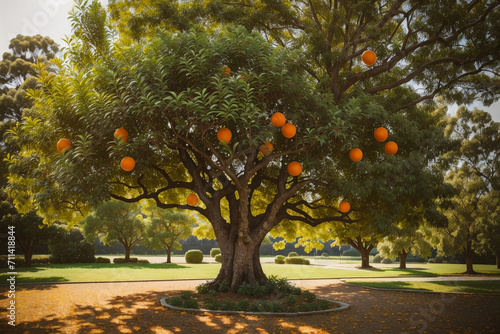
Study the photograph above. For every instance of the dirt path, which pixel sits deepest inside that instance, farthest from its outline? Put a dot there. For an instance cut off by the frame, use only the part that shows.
(135, 308)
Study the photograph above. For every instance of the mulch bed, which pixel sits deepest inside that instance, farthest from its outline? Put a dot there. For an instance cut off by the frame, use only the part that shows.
(136, 308)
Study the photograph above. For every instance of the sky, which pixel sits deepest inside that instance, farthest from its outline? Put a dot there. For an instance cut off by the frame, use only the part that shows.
(50, 18)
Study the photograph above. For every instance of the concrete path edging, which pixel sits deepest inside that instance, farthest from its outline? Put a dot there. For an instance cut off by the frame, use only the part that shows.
(342, 306)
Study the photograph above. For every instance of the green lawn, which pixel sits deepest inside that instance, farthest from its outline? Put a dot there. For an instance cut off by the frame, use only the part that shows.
(445, 286)
(130, 272)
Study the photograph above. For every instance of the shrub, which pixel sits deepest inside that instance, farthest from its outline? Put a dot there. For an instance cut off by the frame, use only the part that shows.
(325, 254)
(377, 258)
(145, 261)
(351, 252)
(102, 260)
(439, 259)
(292, 254)
(296, 260)
(70, 247)
(40, 259)
(122, 260)
(214, 252)
(218, 258)
(432, 260)
(18, 260)
(386, 261)
(280, 259)
(194, 256)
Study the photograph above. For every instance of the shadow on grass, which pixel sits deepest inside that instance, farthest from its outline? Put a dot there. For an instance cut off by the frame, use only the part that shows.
(102, 266)
(389, 285)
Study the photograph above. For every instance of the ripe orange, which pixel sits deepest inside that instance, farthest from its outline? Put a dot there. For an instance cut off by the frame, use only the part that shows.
(294, 168)
(356, 155)
(122, 134)
(224, 135)
(192, 199)
(127, 164)
(344, 206)
(391, 147)
(62, 144)
(369, 57)
(266, 148)
(381, 134)
(289, 130)
(278, 119)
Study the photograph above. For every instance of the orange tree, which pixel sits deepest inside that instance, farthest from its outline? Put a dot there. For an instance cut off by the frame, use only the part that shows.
(173, 93)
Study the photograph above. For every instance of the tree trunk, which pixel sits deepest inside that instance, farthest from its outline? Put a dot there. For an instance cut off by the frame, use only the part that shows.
(127, 253)
(469, 258)
(240, 263)
(402, 259)
(169, 252)
(364, 251)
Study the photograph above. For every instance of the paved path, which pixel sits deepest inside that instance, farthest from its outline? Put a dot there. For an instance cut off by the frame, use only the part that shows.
(133, 307)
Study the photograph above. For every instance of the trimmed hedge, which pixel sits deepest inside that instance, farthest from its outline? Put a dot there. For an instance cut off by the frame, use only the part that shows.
(143, 261)
(214, 252)
(351, 252)
(292, 254)
(194, 256)
(122, 260)
(377, 259)
(280, 259)
(296, 260)
(218, 258)
(386, 261)
(325, 254)
(102, 260)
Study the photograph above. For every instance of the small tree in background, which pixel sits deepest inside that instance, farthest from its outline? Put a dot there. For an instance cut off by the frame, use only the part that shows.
(167, 227)
(116, 221)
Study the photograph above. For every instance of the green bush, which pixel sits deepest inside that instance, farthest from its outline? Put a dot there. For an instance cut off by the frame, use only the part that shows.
(70, 247)
(122, 260)
(40, 259)
(296, 260)
(351, 252)
(292, 254)
(439, 259)
(432, 260)
(18, 260)
(144, 261)
(214, 252)
(102, 260)
(218, 258)
(386, 261)
(280, 259)
(325, 254)
(377, 259)
(194, 256)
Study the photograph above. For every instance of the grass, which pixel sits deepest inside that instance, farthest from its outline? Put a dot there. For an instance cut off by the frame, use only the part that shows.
(442, 286)
(163, 271)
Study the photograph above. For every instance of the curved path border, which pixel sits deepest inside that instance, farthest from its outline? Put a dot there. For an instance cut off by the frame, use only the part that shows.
(342, 306)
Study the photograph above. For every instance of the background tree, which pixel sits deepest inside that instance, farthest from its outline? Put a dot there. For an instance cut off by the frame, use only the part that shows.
(404, 239)
(167, 228)
(116, 221)
(489, 235)
(446, 48)
(29, 227)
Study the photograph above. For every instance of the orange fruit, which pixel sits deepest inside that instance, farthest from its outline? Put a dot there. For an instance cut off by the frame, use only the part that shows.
(294, 168)
(192, 199)
(224, 135)
(122, 134)
(356, 154)
(62, 144)
(289, 130)
(278, 119)
(369, 57)
(344, 206)
(391, 148)
(227, 71)
(266, 148)
(381, 134)
(127, 164)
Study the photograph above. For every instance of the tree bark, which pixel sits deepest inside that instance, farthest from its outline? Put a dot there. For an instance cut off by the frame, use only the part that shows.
(364, 250)
(469, 258)
(169, 252)
(402, 259)
(240, 263)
